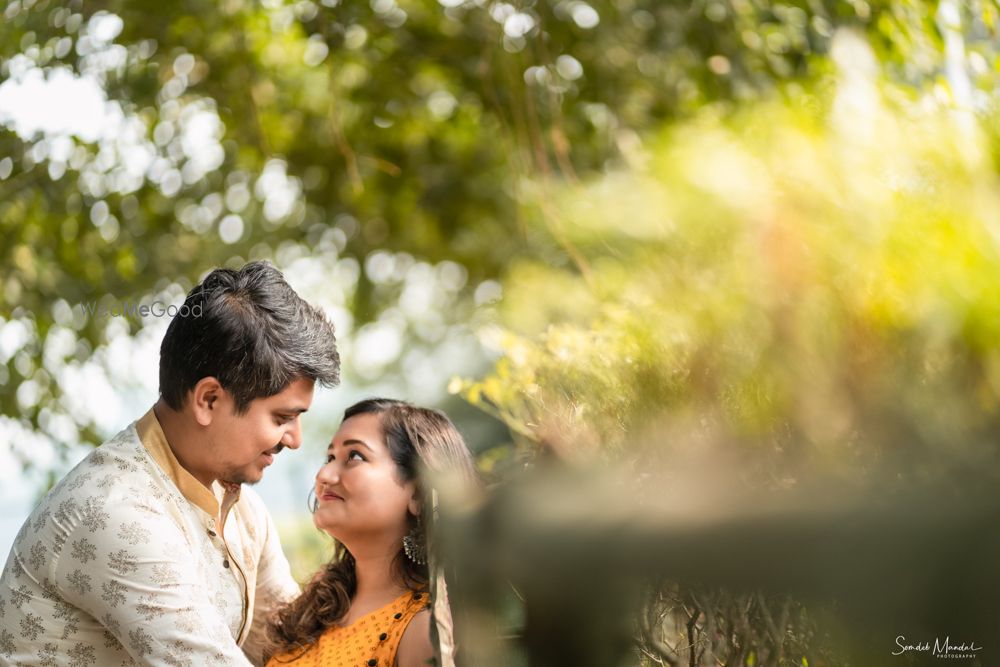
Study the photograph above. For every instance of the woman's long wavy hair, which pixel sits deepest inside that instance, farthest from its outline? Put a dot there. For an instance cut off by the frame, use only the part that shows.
(420, 440)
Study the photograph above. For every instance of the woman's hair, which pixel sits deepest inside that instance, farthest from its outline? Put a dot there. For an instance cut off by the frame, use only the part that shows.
(419, 440)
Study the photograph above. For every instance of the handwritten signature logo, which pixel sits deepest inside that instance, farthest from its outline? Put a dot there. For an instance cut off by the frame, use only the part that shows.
(939, 649)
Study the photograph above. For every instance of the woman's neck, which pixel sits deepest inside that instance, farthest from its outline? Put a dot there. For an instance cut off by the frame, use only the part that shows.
(376, 577)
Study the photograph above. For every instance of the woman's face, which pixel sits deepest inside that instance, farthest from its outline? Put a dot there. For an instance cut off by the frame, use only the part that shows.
(360, 492)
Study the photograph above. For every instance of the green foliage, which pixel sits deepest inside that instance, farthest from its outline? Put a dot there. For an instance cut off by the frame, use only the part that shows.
(790, 280)
(798, 300)
(346, 128)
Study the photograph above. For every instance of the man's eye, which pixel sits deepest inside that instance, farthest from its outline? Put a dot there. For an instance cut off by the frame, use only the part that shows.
(283, 420)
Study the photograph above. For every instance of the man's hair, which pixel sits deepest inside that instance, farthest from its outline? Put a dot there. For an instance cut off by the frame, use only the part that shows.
(248, 329)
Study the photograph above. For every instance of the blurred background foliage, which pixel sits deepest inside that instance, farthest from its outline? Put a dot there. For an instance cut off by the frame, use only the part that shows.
(241, 130)
(775, 336)
(746, 250)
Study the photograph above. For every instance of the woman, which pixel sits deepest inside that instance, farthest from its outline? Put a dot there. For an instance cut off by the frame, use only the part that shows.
(370, 605)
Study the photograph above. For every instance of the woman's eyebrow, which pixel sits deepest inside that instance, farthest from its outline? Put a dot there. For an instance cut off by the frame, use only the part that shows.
(352, 441)
(358, 442)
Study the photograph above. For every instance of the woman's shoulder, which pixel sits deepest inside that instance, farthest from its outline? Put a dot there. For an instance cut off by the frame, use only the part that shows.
(415, 648)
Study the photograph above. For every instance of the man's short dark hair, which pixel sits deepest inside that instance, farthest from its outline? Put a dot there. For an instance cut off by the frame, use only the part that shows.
(252, 332)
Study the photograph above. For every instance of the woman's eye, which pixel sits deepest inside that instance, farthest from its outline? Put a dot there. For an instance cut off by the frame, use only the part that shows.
(329, 457)
(350, 457)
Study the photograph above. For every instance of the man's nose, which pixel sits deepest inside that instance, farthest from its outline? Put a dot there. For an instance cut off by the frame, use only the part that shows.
(292, 437)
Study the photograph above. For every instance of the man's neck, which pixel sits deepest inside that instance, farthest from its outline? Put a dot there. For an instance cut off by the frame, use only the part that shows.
(180, 440)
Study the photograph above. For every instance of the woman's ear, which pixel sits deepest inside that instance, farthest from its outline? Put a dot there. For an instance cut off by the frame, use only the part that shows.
(414, 506)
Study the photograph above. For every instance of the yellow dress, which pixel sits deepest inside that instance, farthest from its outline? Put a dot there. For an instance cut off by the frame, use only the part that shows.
(370, 641)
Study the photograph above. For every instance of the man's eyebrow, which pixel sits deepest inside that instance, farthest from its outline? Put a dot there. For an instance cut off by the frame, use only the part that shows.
(297, 411)
(352, 441)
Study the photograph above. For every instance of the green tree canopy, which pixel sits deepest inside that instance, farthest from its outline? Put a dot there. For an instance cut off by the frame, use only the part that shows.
(243, 127)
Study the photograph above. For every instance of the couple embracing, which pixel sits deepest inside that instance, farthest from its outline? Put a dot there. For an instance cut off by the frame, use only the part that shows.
(152, 551)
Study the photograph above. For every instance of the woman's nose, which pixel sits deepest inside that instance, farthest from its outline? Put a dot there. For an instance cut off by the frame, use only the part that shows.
(329, 473)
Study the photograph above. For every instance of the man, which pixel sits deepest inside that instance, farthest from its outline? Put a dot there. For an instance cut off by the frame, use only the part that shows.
(148, 552)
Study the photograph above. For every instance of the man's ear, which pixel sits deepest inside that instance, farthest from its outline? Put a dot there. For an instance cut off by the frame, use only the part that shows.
(206, 399)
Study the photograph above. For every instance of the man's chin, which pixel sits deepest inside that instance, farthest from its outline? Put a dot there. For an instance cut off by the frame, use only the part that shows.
(249, 477)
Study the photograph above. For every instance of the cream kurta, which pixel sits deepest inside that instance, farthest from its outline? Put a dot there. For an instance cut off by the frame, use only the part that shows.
(130, 560)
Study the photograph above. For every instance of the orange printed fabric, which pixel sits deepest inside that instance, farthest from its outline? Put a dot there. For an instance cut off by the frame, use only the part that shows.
(370, 641)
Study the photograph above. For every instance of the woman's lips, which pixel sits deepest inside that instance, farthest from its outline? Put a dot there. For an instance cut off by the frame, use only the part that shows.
(330, 496)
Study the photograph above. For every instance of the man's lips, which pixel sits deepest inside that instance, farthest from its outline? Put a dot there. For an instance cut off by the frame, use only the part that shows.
(271, 453)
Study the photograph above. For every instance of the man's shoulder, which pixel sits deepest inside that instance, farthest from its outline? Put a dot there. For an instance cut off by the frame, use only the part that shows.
(120, 462)
(107, 501)
(112, 477)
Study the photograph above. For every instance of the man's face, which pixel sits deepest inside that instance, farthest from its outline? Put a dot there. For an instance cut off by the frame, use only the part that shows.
(241, 446)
